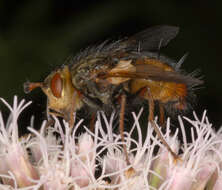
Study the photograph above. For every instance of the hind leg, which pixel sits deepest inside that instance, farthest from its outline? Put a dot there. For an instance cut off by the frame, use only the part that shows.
(156, 128)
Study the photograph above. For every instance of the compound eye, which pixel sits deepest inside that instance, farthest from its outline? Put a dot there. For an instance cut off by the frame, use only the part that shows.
(56, 85)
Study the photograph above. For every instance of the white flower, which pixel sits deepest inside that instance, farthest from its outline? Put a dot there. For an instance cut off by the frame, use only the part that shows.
(13, 155)
(57, 158)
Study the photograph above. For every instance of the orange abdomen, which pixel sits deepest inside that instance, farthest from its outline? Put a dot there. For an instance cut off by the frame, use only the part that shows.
(162, 91)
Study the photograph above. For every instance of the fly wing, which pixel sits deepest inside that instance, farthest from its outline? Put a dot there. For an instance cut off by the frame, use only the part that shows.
(152, 72)
(152, 38)
(147, 71)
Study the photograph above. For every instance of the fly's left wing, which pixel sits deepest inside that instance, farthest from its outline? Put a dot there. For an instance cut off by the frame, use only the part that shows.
(125, 71)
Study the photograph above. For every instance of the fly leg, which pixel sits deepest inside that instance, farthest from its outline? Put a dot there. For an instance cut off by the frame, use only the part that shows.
(121, 124)
(130, 171)
(156, 128)
(162, 118)
(72, 110)
(49, 123)
(92, 122)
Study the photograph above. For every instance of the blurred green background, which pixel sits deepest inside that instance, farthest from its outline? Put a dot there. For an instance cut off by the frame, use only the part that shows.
(37, 36)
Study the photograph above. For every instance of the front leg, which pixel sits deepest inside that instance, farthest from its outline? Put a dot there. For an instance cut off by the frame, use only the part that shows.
(72, 110)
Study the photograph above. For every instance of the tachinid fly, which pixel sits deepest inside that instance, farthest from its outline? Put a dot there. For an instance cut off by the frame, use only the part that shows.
(114, 72)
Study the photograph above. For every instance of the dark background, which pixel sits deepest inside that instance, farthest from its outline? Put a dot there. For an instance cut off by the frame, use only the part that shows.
(37, 36)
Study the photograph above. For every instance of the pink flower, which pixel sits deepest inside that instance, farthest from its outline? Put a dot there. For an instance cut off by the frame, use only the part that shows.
(65, 161)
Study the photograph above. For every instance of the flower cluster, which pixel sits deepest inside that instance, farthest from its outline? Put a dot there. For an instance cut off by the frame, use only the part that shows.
(57, 158)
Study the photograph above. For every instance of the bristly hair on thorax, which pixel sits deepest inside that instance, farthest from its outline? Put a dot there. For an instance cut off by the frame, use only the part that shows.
(109, 47)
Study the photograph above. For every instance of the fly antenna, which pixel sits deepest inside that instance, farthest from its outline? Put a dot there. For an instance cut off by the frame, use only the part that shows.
(29, 86)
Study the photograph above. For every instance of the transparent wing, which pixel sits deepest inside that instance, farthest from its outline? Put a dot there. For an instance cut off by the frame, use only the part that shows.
(152, 38)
